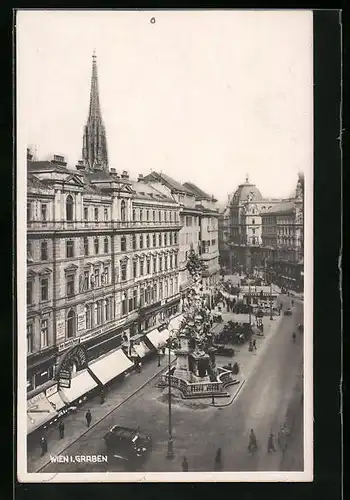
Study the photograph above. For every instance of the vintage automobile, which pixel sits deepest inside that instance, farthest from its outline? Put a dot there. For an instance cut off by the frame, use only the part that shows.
(224, 350)
(127, 444)
(288, 312)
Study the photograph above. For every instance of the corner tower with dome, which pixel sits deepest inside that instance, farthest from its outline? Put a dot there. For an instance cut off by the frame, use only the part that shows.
(245, 225)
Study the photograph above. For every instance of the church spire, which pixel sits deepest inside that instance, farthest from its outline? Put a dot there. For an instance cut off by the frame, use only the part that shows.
(94, 141)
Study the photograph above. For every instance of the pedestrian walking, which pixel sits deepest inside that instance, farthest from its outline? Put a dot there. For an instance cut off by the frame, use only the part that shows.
(254, 345)
(102, 394)
(43, 444)
(88, 417)
(270, 444)
(61, 429)
(253, 444)
(218, 460)
(184, 465)
(158, 354)
(163, 350)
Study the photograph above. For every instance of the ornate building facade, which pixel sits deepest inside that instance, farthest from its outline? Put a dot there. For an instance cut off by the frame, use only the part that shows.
(257, 234)
(101, 262)
(106, 255)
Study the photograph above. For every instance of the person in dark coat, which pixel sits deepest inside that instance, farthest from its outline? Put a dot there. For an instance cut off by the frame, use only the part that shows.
(270, 444)
(254, 344)
(88, 417)
(43, 444)
(61, 429)
(253, 444)
(102, 394)
(184, 465)
(218, 462)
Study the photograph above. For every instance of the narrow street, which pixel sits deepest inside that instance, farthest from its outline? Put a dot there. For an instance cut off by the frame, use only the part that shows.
(271, 396)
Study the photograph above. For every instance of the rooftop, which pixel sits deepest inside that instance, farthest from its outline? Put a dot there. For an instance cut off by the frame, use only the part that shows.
(199, 193)
(146, 191)
(168, 181)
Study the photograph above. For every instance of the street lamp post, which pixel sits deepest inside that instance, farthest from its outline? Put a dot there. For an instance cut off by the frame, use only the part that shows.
(271, 318)
(249, 304)
(170, 449)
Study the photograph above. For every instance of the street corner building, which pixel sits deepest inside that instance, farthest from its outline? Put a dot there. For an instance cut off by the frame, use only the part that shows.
(106, 266)
(264, 236)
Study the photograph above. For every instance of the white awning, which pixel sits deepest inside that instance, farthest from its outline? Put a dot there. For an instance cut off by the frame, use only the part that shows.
(158, 338)
(111, 366)
(141, 349)
(56, 401)
(175, 322)
(39, 411)
(80, 385)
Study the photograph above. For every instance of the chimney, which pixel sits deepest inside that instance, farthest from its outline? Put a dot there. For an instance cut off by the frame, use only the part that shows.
(80, 165)
(59, 160)
(29, 154)
(140, 179)
(125, 174)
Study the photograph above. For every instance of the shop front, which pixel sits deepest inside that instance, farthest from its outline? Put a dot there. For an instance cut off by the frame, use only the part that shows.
(74, 379)
(40, 368)
(39, 412)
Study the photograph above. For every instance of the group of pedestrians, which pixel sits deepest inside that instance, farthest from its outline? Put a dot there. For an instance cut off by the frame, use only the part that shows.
(253, 443)
(61, 429)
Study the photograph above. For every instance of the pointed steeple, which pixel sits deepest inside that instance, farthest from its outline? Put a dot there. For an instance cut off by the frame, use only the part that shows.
(94, 141)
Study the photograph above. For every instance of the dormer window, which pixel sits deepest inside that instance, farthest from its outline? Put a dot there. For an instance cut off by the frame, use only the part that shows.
(69, 208)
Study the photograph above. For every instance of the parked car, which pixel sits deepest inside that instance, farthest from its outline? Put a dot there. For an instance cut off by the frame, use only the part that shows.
(288, 312)
(224, 350)
(126, 443)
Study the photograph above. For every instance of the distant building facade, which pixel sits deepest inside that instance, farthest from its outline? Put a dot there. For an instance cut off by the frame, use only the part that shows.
(257, 234)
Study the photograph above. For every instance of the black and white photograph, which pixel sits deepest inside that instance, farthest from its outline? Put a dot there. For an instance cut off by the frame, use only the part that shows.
(165, 243)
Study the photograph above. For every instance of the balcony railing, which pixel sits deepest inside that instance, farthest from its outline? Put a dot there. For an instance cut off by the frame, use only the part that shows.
(84, 225)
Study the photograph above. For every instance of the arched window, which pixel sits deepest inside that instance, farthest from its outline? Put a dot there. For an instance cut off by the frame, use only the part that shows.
(123, 210)
(69, 208)
(170, 216)
(134, 215)
(141, 215)
(70, 323)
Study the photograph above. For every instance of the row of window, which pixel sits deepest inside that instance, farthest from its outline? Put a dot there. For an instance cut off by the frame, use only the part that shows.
(102, 277)
(205, 247)
(138, 242)
(143, 215)
(103, 310)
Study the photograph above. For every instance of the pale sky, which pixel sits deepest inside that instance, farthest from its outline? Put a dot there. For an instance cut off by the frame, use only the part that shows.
(205, 97)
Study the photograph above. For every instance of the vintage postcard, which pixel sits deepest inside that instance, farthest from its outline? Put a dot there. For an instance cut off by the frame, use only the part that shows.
(165, 235)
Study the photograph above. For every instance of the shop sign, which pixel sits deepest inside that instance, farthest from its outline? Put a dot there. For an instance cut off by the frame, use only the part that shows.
(51, 390)
(81, 322)
(88, 336)
(36, 399)
(65, 383)
(60, 329)
(69, 343)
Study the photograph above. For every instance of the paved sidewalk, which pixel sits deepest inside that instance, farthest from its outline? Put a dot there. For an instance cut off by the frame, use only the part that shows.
(75, 423)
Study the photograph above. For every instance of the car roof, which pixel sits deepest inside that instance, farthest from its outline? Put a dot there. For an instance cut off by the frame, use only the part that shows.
(126, 432)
